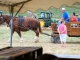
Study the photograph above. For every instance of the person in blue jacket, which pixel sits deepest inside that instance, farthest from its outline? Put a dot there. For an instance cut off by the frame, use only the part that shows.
(65, 15)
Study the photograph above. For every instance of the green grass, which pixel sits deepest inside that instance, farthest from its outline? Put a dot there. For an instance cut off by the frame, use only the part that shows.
(29, 35)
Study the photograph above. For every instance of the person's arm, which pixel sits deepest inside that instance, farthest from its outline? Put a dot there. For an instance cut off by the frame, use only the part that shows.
(64, 29)
(58, 30)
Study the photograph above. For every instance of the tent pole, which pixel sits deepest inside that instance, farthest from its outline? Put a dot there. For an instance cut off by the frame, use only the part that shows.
(19, 9)
(11, 26)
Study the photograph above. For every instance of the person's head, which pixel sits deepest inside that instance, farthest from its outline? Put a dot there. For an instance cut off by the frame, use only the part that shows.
(48, 57)
(63, 9)
(74, 13)
(62, 22)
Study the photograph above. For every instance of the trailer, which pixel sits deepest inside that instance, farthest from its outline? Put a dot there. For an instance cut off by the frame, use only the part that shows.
(73, 29)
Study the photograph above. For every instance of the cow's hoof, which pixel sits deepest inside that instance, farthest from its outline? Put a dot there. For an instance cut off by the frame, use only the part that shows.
(36, 41)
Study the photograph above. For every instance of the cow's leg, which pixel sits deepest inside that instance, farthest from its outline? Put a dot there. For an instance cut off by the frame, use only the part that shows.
(19, 33)
(12, 35)
(37, 36)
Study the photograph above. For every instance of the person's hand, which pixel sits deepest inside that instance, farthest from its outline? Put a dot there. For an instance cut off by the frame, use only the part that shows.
(59, 32)
(62, 32)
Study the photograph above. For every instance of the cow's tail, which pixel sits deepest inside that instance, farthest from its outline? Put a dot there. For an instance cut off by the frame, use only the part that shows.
(40, 30)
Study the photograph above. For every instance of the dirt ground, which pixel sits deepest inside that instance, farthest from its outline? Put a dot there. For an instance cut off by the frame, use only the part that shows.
(48, 47)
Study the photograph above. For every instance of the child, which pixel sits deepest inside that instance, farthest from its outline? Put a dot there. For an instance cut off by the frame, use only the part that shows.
(62, 29)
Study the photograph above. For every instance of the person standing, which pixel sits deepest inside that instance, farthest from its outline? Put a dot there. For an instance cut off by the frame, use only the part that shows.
(65, 15)
(62, 29)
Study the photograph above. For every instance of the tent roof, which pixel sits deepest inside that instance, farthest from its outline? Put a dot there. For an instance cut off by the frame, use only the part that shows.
(12, 2)
(16, 4)
(33, 5)
(46, 4)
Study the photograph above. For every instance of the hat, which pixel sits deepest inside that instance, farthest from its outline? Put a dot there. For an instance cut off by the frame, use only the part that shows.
(63, 9)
